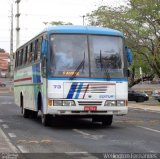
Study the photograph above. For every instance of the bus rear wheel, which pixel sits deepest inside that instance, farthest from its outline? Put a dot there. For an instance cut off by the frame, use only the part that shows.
(25, 113)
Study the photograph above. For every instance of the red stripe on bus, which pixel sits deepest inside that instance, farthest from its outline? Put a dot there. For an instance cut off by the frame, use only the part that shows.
(85, 91)
(23, 79)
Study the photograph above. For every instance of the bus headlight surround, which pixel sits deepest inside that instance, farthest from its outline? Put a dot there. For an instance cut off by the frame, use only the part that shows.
(120, 103)
(63, 103)
(68, 103)
(57, 103)
(110, 103)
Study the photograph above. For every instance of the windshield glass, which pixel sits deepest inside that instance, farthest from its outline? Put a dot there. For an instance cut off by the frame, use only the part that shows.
(69, 56)
(106, 56)
(69, 53)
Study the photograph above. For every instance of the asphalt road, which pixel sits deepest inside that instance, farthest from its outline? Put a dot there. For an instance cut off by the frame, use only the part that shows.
(137, 132)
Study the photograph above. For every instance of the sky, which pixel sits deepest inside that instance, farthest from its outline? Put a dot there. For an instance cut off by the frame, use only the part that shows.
(34, 13)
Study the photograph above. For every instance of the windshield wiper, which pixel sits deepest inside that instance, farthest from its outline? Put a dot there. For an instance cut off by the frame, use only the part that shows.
(78, 68)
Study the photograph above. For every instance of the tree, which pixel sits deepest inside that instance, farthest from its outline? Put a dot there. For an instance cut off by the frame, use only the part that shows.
(2, 50)
(140, 22)
(60, 23)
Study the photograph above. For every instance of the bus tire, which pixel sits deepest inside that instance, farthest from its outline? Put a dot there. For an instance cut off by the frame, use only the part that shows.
(34, 114)
(107, 121)
(45, 119)
(25, 113)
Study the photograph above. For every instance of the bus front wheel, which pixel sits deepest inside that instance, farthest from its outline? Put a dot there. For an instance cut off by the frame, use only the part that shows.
(45, 119)
(106, 120)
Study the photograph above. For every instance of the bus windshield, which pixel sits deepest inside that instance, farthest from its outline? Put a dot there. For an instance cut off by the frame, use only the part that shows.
(78, 55)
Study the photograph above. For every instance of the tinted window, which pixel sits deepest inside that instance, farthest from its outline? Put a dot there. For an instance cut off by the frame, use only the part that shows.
(69, 54)
(106, 56)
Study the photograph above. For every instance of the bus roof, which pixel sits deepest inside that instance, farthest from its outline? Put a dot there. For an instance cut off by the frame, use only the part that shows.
(75, 29)
(83, 30)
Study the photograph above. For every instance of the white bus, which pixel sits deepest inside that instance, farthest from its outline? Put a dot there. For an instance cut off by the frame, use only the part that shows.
(78, 71)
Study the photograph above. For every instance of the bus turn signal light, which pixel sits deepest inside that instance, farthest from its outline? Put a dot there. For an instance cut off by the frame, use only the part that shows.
(49, 102)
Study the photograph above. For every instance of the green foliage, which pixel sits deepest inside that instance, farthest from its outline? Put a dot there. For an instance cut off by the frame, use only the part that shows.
(140, 23)
(60, 23)
(2, 50)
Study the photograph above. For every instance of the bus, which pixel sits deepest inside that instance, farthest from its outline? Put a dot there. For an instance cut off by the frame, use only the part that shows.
(73, 71)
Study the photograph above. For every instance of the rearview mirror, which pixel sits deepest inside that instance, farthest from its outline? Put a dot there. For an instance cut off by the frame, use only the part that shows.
(44, 47)
(129, 55)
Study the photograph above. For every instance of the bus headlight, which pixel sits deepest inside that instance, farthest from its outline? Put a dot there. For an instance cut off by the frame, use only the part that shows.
(63, 103)
(110, 103)
(57, 103)
(120, 103)
(68, 103)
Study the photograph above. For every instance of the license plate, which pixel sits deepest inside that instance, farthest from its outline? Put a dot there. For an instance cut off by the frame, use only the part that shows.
(90, 108)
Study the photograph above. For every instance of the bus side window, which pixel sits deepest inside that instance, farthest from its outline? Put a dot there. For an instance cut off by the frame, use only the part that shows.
(30, 53)
(21, 57)
(33, 51)
(25, 57)
(16, 61)
(39, 47)
(36, 50)
(23, 63)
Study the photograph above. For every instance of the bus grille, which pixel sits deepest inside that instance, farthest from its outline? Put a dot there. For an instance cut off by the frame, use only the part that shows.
(94, 88)
(90, 103)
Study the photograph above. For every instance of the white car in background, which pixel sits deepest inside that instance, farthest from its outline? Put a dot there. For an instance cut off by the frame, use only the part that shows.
(156, 94)
(3, 74)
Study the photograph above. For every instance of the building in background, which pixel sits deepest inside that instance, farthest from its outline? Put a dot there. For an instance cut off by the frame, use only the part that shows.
(4, 64)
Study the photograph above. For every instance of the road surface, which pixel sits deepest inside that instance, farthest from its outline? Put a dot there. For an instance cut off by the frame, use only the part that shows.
(137, 132)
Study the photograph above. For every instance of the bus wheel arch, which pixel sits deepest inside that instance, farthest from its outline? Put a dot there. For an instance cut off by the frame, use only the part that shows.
(39, 101)
(45, 118)
(21, 99)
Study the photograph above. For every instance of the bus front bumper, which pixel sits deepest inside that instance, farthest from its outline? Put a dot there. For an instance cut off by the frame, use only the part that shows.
(82, 111)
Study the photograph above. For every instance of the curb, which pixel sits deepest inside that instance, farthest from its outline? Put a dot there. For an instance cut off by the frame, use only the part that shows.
(145, 107)
(6, 90)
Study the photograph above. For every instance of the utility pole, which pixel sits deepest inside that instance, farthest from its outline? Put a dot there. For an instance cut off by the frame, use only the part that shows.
(11, 43)
(17, 28)
(83, 18)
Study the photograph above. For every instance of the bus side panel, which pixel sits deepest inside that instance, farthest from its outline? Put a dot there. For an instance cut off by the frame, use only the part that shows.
(23, 84)
(122, 90)
(39, 86)
(37, 83)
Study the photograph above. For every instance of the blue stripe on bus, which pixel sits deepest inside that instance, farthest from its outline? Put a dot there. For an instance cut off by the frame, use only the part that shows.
(79, 90)
(72, 90)
(89, 79)
(36, 73)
